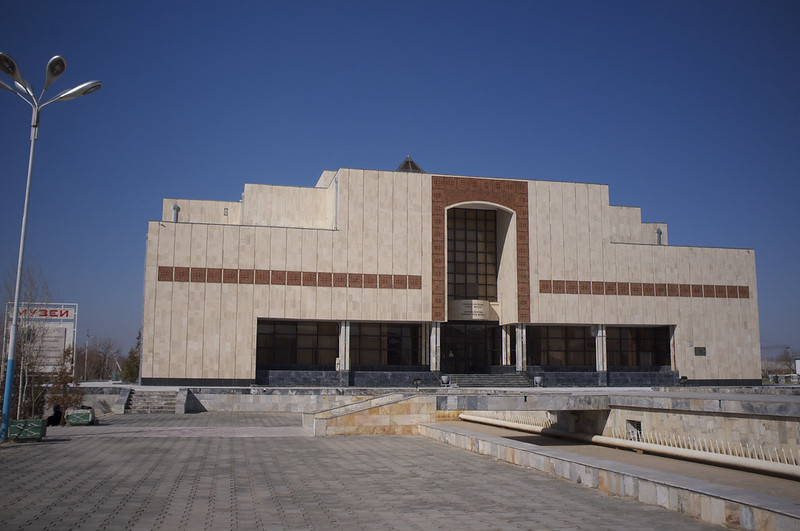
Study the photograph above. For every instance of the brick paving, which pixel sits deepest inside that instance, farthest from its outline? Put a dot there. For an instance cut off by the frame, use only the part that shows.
(262, 471)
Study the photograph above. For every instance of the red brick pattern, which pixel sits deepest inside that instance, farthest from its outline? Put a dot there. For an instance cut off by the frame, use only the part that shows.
(181, 274)
(673, 290)
(165, 274)
(586, 287)
(279, 278)
(291, 278)
(198, 274)
(572, 287)
(446, 191)
(546, 286)
(214, 274)
(598, 288)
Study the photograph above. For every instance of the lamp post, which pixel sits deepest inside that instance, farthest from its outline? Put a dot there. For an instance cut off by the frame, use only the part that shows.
(23, 89)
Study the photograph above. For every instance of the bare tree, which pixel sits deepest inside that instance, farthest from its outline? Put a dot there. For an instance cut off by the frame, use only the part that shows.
(30, 379)
(99, 362)
(108, 353)
(786, 361)
(64, 389)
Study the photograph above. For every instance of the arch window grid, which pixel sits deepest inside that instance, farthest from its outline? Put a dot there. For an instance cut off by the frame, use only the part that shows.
(471, 254)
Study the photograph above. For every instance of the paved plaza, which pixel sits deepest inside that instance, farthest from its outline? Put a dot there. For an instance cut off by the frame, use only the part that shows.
(262, 471)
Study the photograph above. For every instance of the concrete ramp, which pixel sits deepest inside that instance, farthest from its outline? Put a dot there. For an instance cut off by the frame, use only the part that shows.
(392, 414)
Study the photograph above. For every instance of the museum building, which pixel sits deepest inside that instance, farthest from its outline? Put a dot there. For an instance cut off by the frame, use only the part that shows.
(396, 278)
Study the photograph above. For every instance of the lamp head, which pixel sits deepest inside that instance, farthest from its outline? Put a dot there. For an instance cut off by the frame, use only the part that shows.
(9, 67)
(81, 90)
(55, 67)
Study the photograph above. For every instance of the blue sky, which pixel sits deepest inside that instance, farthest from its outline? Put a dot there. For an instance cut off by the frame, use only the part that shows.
(690, 110)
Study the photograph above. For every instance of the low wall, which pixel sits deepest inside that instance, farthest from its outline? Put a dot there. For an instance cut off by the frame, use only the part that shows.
(719, 505)
(106, 400)
(771, 424)
(268, 399)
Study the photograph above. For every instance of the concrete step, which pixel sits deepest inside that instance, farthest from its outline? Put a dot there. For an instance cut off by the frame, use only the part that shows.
(144, 402)
(490, 380)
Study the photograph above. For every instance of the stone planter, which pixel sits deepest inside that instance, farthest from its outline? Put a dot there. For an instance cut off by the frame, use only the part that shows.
(27, 429)
(80, 417)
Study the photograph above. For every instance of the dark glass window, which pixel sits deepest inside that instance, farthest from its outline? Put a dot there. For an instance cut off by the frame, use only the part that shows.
(560, 346)
(383, 344)
(638, 346)
(471, 254)
(289, 344)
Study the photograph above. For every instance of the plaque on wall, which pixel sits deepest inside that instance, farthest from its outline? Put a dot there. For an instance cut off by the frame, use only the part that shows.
(472, 310)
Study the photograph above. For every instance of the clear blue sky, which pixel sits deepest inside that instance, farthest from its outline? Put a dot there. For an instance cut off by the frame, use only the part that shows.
(690, 110)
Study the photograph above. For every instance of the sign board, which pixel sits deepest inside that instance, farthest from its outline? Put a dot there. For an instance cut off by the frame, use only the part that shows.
(472, 310)
(49, 329)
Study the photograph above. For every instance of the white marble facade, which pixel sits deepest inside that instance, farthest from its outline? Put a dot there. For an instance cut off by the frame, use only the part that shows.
(361, 246)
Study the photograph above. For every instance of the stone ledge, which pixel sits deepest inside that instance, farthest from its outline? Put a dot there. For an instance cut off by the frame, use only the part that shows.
(716, 504)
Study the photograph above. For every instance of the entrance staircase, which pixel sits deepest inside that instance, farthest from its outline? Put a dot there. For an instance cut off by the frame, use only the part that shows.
(490, 380)
(144, 402)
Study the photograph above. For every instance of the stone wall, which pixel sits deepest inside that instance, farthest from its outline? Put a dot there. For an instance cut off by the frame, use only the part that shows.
(280, 400)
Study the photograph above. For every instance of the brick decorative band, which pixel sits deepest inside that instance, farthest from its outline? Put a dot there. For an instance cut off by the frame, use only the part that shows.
(591, 287)
(211, 275)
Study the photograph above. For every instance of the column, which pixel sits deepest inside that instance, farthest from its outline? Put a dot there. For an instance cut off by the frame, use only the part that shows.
(506, 346)
(425, 345)
(436, 350)
(601, 356)
(522, 350)
(343, 361)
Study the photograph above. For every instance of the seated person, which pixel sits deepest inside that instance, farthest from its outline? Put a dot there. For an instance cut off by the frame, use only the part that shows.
(55, 418)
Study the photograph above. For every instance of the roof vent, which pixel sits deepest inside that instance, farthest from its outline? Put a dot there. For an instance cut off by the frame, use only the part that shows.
(408, 165)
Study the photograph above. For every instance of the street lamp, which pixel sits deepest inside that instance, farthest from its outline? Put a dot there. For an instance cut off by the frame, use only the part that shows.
(23, 89)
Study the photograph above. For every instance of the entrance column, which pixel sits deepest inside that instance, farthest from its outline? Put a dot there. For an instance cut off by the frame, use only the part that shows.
(601, 355)
(436, 348)
(343, 361)
(522, 350)
(506, 346)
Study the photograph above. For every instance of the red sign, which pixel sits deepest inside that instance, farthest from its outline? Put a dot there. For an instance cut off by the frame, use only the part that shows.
(46, 313)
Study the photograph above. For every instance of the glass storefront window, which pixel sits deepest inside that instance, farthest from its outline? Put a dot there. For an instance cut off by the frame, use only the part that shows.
(382, 345)
(293, 344)
(560, 346)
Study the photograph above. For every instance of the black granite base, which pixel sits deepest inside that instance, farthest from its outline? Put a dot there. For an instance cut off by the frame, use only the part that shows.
(197, 382)
(721, 383)
(612, 378)
(299, 378)
(393, 379)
